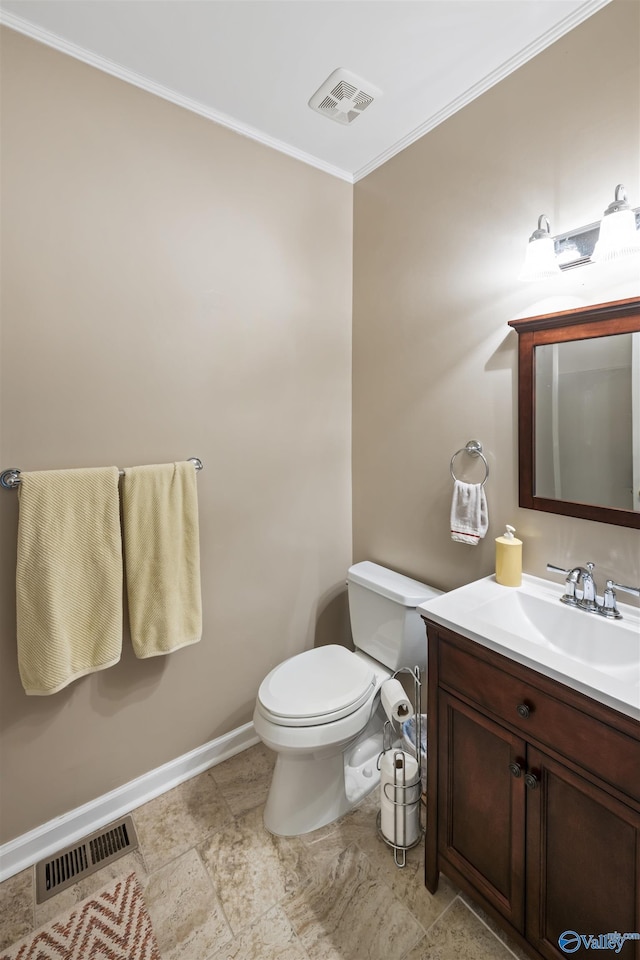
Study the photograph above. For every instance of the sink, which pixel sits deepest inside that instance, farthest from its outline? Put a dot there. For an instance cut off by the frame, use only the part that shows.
(597, 656)
(588, 640)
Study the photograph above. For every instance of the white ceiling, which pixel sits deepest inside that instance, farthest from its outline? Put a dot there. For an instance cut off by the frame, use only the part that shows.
(252, 65)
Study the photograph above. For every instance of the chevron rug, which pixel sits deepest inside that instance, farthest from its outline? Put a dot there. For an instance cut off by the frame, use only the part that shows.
(110, 925)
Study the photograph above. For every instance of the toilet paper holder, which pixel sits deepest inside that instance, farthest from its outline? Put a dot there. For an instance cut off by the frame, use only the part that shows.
(401, 797)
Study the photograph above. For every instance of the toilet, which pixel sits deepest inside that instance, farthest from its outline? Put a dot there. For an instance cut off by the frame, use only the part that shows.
(320, 710)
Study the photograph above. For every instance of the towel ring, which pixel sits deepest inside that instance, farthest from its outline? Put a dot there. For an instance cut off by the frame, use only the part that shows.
(474, 449)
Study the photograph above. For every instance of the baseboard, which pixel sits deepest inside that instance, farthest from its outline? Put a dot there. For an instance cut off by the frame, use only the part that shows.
(18, 854)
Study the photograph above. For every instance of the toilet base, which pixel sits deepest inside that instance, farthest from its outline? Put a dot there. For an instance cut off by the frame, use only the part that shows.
(308, 792)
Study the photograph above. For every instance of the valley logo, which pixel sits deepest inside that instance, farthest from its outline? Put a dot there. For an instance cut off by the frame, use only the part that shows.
(570, 941)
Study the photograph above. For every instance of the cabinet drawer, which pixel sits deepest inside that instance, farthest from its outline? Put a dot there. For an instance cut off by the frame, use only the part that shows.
(608, 753)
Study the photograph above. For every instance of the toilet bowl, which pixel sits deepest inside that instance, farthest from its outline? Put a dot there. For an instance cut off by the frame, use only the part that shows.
(320, 710)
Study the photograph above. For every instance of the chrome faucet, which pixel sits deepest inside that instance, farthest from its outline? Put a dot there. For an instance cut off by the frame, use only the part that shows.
(589, 590)
(581, 591)
(575, 579)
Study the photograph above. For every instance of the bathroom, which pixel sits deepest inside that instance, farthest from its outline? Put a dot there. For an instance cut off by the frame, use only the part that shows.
(173, 289)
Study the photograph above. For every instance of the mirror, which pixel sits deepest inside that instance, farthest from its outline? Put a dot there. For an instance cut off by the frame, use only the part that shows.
(579, 412)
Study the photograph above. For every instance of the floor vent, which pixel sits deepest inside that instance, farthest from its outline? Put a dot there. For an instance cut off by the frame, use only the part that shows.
(80, 860)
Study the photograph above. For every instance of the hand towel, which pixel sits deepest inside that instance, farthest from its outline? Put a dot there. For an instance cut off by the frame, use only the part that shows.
(162, 557)
(68, 576)
(469, 513)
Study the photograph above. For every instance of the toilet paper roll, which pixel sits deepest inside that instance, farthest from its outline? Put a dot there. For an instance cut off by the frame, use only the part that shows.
(399, 798)
(397, 705)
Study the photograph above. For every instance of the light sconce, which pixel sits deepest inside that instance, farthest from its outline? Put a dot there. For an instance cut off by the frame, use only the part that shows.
(615, 237)
(618, 234)
(540, 260)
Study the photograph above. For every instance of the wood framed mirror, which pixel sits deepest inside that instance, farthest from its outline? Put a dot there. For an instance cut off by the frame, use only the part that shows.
(579, 412)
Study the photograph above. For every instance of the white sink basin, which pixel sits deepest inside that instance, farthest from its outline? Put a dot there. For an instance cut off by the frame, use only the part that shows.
(600, 657)
(588, 640)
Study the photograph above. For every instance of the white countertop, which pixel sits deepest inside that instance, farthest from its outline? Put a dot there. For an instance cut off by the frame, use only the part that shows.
(529, 624)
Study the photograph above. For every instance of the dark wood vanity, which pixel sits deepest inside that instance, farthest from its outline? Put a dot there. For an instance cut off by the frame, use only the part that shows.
(533, 798)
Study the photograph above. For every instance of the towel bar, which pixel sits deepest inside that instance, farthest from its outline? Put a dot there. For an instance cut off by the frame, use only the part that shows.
(10, 479)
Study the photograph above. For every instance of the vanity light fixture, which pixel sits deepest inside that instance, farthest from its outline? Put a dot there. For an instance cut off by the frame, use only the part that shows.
(540, 260)
(618, 234)
(615, 237)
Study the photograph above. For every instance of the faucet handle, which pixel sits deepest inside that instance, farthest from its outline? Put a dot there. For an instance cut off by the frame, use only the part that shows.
(609, 608)
(635, 591)
(572, 577)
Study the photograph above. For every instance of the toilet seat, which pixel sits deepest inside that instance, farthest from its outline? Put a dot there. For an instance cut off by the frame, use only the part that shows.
(316, 687)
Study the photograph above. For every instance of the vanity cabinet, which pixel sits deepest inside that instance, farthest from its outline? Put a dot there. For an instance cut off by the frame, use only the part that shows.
(533, 798)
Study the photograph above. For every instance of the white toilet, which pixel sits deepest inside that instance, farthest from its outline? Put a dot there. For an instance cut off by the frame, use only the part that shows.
(320, 710)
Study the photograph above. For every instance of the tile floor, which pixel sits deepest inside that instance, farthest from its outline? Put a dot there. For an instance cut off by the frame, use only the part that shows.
(219, 887)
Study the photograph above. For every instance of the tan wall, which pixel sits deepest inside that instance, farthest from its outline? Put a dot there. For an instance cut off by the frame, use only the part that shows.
(165, 295)
(440, 232)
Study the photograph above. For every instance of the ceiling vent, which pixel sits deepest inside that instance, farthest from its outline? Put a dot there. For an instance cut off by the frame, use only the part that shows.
(343, 96)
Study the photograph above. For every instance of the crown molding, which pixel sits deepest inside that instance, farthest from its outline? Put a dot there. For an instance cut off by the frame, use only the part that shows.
(527, 53)
(144, 83)
(35, 32)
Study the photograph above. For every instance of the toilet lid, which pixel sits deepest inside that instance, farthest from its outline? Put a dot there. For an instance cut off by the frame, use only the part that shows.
(323, 684)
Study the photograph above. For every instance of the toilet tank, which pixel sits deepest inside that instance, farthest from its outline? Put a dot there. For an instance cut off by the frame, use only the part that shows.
(384, 622)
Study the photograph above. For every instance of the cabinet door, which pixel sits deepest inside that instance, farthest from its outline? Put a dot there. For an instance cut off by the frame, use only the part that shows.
(583, 862)
(481, 799)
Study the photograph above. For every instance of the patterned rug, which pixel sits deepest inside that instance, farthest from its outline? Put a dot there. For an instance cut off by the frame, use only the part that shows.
(110, 925)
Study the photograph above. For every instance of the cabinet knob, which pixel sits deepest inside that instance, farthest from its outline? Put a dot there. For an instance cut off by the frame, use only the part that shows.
(531, 781)
(516, 769)
(523, 710)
